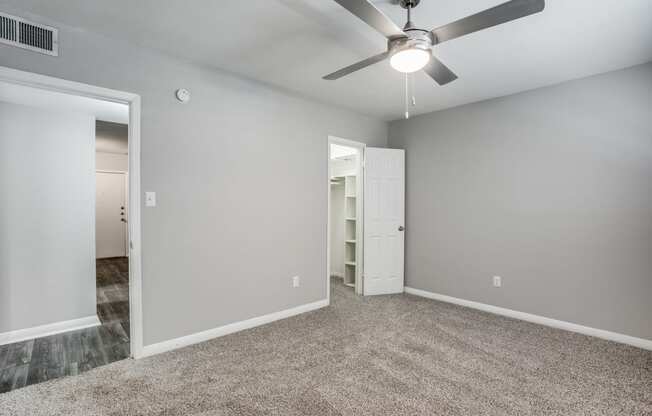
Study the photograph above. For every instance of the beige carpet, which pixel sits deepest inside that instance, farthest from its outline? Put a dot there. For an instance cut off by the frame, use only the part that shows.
(390, 355)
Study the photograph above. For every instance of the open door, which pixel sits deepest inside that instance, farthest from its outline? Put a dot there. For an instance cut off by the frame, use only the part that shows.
(384, 219)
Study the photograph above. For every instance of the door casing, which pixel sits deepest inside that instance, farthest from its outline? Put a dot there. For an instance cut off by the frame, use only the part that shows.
(14, 76)
(359, 287)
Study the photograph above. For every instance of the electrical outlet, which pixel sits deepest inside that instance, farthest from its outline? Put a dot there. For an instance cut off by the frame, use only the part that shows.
(296, 281)
(498, 281)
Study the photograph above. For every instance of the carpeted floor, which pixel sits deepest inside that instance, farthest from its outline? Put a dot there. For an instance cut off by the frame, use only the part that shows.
(390, 355)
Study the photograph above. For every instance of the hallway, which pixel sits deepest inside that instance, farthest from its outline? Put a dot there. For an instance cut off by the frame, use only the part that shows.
(34, 361)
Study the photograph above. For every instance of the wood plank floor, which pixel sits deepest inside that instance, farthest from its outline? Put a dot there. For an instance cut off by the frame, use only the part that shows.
(70, 353)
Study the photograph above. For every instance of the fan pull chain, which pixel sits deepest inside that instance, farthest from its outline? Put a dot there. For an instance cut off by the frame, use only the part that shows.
(407, 97)
(414, 99)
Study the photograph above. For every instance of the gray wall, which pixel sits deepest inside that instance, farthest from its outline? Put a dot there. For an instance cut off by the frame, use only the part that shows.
(111, 137)
(241, 179)
(112, 161)
(550, 189)
(47, 217)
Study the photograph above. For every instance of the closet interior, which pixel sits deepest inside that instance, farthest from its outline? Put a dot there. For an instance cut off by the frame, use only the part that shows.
(345, 215)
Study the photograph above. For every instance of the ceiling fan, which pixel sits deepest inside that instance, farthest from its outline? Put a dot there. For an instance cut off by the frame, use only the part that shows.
(410, 49)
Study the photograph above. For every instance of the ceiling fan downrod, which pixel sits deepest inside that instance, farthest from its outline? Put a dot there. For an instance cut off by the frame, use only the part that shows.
(409, 5)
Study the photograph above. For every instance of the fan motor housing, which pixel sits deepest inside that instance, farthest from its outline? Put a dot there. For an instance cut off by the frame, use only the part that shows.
(415, 38)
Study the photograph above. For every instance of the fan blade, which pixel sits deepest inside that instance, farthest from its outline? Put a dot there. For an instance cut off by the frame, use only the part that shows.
(439, 72)
(356, 66)
(369, 14)
(500, 14)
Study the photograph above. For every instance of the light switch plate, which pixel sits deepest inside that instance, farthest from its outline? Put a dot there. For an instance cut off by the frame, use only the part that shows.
(150, 199)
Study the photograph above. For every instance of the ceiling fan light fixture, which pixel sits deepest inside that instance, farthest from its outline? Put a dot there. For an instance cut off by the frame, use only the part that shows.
(410, 60)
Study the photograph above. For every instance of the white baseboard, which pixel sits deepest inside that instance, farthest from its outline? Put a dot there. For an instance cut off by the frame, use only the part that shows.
(541, 320)
(49, 329)
(192, 339)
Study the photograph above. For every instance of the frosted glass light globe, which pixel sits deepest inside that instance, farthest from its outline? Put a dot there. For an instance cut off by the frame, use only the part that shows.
(410, 60)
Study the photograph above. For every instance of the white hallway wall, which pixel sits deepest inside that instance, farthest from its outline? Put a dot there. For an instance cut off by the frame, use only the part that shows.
(225, 239)
(47, 219)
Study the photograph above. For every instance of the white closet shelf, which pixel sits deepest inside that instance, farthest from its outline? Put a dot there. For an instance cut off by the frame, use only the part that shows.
(350, 241)
(350, 219)
(349, 263)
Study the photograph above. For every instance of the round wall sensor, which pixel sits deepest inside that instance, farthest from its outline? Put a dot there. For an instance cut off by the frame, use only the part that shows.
(183, 95)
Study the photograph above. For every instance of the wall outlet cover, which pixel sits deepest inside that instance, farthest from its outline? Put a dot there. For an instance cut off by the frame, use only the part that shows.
(498, 281)
(296, 281)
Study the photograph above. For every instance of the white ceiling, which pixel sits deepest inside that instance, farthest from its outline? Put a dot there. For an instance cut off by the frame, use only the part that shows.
(60, 102)
(293, 43)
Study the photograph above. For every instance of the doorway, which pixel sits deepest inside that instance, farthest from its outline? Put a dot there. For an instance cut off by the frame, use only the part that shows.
(112, 231)
(49, 326)
(345, 196)
(366, 218)
(112, 189)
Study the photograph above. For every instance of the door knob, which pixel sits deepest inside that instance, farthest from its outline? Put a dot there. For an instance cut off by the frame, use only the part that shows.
(401, 228)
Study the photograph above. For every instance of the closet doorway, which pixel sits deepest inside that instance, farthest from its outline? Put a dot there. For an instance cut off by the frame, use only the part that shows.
(345, 166)
(366, 218)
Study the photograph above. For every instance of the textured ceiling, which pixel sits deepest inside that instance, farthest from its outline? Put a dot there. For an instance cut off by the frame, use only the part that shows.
(293, 43)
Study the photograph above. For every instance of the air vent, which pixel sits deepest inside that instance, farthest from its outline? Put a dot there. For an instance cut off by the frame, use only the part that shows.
(16, 31)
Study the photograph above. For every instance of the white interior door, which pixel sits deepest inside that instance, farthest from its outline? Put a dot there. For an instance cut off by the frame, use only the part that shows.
(110, 215)
(384, 219)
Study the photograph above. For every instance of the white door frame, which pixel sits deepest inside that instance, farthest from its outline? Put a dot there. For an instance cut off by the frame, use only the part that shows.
(359, 213)
(17, 77)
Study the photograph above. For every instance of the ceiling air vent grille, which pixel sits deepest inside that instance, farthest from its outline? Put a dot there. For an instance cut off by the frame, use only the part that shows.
(24, 34)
